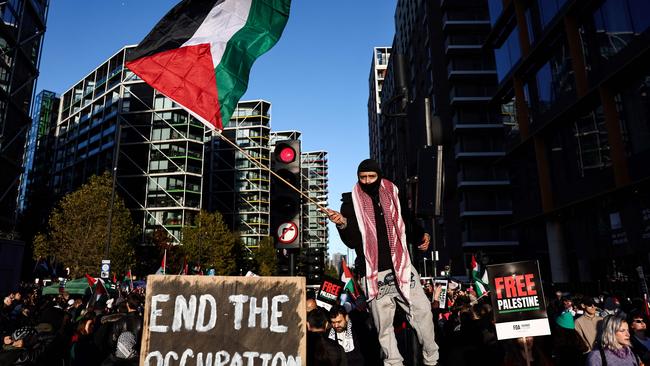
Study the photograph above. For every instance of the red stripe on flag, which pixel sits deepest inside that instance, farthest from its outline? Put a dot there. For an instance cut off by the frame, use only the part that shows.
(185, 75)
(91, 281)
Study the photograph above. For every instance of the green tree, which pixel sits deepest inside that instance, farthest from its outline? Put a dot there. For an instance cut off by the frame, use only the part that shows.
(209, 243)
(266, 258)
(78, 230)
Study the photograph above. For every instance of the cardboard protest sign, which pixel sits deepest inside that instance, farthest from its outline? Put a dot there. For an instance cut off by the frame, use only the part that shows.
(329, 293)
(199, 320)
(518, 300)
(442, 298)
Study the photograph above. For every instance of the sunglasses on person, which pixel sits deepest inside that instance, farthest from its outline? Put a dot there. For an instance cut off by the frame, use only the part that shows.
(638, 321)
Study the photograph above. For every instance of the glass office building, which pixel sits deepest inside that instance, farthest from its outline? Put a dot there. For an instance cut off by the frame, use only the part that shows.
(21, 38)
(111, 117)
(573, 90)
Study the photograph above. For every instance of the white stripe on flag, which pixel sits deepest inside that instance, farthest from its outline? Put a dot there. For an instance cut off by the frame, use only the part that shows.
(218, 27)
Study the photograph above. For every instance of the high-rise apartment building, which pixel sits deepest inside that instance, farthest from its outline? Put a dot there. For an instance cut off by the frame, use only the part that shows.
(446, 64)
(380, 57)
(235, 186)
(574, 79)
(111, 114)
(23, 27)
(314, 184)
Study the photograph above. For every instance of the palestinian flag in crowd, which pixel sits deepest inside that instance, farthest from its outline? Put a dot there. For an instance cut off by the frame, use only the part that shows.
(163, 265)
(98, 290)
(129, 278)
(348, 279)
(200, 54)
(480, 281)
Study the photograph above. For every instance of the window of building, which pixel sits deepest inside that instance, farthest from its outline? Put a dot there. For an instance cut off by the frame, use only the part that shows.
(553, 81)
(591, 142)
(548, 9)
(508, 54)
(495, 8)
(618, 22)
(634, 111)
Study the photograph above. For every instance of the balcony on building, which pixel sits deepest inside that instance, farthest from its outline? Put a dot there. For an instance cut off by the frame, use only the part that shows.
(489, 179)
(461, 70)
(487, 234)
(465, 20)
(482, 203)
(463, 43)
(471, 93)
(487, 150)
(461, 124)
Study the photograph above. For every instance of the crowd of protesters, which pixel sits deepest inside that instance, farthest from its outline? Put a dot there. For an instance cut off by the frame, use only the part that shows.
(584, 331)
(107, 330)
(71, 330)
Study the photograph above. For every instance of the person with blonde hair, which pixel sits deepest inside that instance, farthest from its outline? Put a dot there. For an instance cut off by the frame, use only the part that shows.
(613, 345)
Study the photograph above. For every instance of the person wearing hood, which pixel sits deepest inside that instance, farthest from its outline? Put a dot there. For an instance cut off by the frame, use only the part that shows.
(568, 347)
(371, 222)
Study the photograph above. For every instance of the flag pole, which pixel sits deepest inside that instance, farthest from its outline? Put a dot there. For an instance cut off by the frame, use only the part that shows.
(246, 155)
(264, 167)
(526, 350)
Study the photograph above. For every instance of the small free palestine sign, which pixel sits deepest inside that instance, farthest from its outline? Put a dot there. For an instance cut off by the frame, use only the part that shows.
(518, 300)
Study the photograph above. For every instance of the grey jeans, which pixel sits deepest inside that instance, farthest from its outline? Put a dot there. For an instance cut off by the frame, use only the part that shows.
(418, 313)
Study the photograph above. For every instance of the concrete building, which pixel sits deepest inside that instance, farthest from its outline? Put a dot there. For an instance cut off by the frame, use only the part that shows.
(442, 46)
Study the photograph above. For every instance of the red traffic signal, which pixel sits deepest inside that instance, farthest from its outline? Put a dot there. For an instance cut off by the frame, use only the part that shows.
(286, 154)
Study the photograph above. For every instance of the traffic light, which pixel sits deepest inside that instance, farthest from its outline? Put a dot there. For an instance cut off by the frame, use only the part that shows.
(285, 201)
(315, 265)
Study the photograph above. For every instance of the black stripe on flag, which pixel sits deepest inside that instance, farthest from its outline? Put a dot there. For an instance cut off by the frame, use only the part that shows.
(175, 28)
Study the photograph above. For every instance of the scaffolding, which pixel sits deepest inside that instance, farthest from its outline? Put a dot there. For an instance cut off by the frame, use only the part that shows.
(237, 187)
(160, 147)
(314, 183)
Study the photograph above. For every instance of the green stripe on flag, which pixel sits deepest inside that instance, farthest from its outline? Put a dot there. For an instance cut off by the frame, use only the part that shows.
(263, 28)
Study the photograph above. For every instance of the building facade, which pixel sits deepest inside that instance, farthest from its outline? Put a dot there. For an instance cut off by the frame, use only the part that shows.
(447, 65)
(34, 181)
(380, 57)
(237, 187)
(113, 120)
(23, 27)
(573, 90)
(314, 167)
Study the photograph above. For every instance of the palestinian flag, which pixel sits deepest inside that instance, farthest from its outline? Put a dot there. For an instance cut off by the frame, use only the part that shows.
(480, 281)
(348, 279)
(200, 54)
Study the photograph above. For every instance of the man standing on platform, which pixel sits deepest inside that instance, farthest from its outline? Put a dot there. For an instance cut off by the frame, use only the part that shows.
(371, 222)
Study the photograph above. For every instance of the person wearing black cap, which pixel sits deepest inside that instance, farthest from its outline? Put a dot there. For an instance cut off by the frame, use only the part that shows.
(371, 222)
(587, 325)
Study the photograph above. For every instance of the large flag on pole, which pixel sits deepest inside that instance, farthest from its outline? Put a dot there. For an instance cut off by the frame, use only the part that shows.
(480, 281)
(200, 54)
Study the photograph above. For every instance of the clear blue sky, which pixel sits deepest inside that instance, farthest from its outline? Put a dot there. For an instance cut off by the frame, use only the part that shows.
(316, 77)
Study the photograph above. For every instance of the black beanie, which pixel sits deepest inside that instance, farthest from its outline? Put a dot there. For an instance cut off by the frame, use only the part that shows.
(369, 165)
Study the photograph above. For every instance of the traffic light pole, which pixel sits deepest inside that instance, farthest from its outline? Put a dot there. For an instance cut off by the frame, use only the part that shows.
(437, 210)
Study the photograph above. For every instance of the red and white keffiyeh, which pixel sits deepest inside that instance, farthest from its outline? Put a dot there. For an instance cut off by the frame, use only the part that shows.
(396, 229)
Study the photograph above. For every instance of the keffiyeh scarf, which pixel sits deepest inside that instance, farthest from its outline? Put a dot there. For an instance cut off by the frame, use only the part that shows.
(395, 227)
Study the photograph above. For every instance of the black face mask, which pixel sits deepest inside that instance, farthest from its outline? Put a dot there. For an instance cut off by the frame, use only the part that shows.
(371, 189)
(369, 165)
